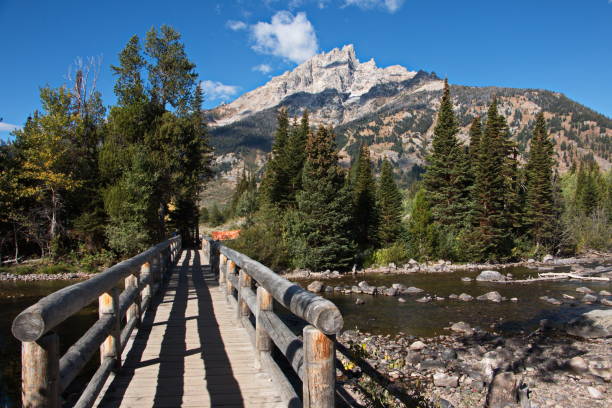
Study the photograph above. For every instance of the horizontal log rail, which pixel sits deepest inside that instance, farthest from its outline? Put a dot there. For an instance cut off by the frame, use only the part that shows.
(45, 375)
(251, 288)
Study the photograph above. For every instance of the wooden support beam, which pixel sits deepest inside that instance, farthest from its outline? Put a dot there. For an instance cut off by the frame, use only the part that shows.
(229, 272)
(319, 382)
(263, 342)
(145, 275)
(108, 304)
(40, 372)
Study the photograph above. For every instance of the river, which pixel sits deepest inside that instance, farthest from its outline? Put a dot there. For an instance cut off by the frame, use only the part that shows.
(15, 296)
(386, 315)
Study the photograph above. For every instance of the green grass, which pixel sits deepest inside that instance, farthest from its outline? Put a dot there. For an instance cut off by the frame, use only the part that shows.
(39, 268)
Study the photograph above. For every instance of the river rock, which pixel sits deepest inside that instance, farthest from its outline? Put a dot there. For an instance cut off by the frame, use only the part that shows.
(595, 393)
(462, 327)
(315, 286)
(584, 290)
(412, 262)
(466, 279)
(492, 296)
(490, 276)
(514, 299)
(424, 299)
(578, 364)
(604, 293)
(606, 302)
(398, 286)
(570, 297)
(548, 258)
(588, 298)
(401, 300)
(465, 297)
(554, 301)
(359, 301)
(390, 292)
(412, 290)
(448, 354)
(453, 296)
(445, 380)
(594, 324)
(417, 345)
(355, 289)
(363, 284)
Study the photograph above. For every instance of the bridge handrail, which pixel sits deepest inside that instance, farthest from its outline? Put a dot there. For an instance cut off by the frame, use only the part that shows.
(44, 374)
(312, 357)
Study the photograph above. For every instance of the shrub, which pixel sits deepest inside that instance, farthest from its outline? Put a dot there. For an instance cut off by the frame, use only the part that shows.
(396, 253)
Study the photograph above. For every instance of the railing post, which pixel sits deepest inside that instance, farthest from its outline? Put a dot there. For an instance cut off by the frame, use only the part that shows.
(230, 270)
(244, 281)
(206, 253)
(263, 342)
(145, 274)
(108, 304)
(319, 384)
(40, 372)
(133, 281)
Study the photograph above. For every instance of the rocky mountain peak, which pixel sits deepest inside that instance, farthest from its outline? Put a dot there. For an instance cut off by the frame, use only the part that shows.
(339, 70)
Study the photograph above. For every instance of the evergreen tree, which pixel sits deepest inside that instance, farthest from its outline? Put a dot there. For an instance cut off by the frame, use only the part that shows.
(489, 191)
(422, 234)
(322, 233)
(295, 153)
(540, 213)
(364, 190)
(275, 183)
(446, 180)
(389, 201)
(475, 136)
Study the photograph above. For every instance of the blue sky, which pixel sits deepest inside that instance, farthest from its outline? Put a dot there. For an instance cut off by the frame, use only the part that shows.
(238, 45)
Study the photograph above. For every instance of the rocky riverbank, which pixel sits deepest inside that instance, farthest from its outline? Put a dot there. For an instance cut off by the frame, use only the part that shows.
(469, 366)
(30, 277)
(547, 263)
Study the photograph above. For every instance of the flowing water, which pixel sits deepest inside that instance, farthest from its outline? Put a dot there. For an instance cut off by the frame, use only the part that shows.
(385, 315)
(15, 297)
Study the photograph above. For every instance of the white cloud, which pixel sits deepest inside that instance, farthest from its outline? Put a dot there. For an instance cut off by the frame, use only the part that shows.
(236, 25)
(7, 127)
(391, 5)
(263, 68)
(287, 36)
(215, 90)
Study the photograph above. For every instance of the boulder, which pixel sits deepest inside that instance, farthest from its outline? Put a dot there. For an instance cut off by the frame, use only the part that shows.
(359, 301)
(363, 284)
(401, 300)
(604, 293)
(548, 258)
(315, 286)
(554, 301)
(570, 297)
(453, 296)
(490, 276)
(595, 393)
(466, 279)
(412, 262)
(462, 327)
(492, 296)
(588, 298)
(465, 297)
(514, 299)
(417, 345)
(584, 290)
(355, 289)
(398, 286)
(411, 290)
(594, 324)
(390, 292)
(424, 299)
(445, 380)
(606, 302)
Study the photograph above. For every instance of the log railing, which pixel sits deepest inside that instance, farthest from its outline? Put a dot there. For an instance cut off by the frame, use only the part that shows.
(251, 288)
(44, 374)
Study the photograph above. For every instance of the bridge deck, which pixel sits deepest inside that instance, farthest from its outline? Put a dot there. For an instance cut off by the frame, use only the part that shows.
(190, 351)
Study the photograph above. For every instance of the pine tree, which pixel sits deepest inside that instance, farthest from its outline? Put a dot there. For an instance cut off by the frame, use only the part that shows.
(389, 203)
(364, 190)
(540, 213)
(422, 234)
(295, 153)
(446, 179)
(475, 136)
(275, 182)
(321, 233)
(489, 191)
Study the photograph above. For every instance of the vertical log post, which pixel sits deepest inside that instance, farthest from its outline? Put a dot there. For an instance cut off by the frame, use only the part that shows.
(319, 383)
(133, 281)
(263, 342)
(108, 304)
(40, 372)
(145, 272)
(244, 281)
(222, 270)
(230, 271)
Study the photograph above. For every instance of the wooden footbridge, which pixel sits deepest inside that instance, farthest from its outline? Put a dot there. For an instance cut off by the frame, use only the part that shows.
(195, 328)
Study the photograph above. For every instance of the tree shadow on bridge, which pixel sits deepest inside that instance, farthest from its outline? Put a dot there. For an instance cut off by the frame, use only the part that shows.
(222, 387)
